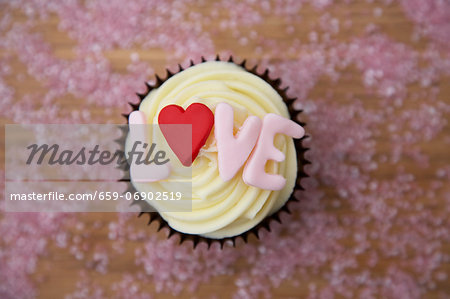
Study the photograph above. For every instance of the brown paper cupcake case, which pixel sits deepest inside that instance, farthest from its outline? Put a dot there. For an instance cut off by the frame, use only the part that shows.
(265, 223)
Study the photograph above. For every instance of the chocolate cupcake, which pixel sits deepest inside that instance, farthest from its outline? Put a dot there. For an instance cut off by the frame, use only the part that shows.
(247, 156)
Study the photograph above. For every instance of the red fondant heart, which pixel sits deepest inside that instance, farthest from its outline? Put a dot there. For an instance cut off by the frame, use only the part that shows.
(199, 116)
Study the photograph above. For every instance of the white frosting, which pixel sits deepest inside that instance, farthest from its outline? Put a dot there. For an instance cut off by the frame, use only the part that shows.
(222, 209)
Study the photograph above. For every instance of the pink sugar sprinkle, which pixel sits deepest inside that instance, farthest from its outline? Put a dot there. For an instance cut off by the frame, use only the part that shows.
(129, 288)
(87, 76)
(432, 18)
(368, 224)
(385, 64)
(85, 288)
(172, 266)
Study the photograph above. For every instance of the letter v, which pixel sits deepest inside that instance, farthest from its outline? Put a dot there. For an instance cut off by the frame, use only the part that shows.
(233, 151)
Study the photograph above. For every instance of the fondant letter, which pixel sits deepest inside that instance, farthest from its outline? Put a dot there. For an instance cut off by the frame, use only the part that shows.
(138, 133)
(254, 171)
(233, 151)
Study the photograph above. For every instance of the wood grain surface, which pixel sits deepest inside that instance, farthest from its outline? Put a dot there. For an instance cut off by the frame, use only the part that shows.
(58, 270)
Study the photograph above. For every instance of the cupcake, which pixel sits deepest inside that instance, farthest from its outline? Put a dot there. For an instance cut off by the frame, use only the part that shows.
(246, 156)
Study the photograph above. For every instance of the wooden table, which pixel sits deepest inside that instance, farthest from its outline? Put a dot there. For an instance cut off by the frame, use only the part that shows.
(58, 271)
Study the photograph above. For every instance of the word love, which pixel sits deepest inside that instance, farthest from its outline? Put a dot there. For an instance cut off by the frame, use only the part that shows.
(252, 145)
(254, 135)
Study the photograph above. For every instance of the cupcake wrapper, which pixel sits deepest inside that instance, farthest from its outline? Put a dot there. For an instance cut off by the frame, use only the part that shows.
(265, 223)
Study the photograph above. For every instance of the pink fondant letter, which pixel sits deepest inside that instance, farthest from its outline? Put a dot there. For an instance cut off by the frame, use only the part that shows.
(233, 151)
(138, 133)
(254, 171)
